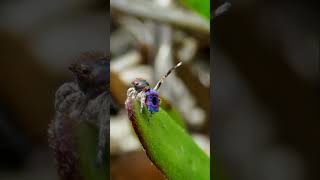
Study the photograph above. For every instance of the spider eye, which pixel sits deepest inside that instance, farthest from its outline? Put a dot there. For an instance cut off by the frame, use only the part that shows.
(135, 83)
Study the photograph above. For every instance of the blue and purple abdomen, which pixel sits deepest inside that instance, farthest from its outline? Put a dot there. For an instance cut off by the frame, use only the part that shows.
(152, 100)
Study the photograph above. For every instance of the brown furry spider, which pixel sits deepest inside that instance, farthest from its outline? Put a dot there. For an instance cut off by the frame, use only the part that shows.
(87, 99)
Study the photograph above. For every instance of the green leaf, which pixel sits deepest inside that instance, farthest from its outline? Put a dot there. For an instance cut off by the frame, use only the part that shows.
(168, 145)
(202, 7)
(172, 112)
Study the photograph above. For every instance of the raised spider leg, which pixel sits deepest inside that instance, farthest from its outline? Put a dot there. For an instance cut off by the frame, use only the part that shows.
(62, 93)
(66, 105)
(157, 86)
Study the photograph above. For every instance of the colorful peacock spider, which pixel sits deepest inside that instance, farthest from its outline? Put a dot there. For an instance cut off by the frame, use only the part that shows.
(150, 97)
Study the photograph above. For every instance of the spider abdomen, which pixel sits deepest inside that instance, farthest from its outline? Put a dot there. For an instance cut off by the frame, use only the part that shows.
(152, 100)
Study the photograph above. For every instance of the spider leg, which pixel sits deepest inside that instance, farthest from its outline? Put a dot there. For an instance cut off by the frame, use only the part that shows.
(68, 103)
(157, 86)
(142, 98)
(63, 92)
(130, 92)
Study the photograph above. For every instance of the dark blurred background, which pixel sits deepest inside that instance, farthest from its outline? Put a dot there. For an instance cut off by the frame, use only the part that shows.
(39, 39)
(265, 72)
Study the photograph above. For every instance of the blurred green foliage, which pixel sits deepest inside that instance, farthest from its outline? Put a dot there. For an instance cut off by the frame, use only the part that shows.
(202, 7)
(172, 112)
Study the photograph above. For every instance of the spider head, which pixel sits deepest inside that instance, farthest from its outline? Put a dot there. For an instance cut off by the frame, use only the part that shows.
(140, 84)
(91, 72)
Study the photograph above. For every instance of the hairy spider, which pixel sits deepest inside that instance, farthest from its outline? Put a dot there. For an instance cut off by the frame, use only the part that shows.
(87, 99)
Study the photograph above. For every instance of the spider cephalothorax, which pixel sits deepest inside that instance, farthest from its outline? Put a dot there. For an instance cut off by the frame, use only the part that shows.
(87, 99)
(140, 84)
(91, 72)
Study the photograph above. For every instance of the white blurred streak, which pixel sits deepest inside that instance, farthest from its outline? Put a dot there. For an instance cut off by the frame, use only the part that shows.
(138, 29)
(189, 47)
(196, 117)
(202, 71)
(122, 137)
(163, 3)
(130, 59)
(142, 71)
(203, 142)
(169, 15)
